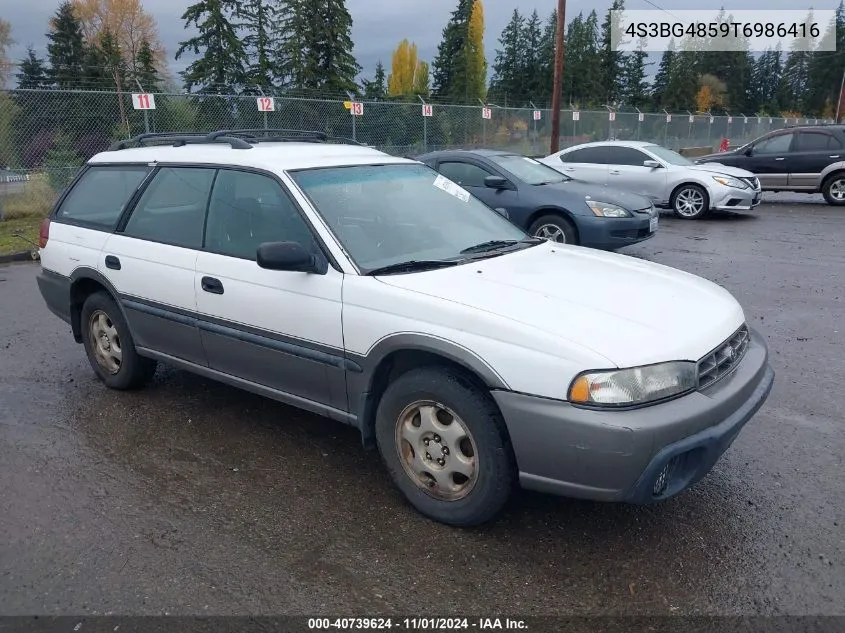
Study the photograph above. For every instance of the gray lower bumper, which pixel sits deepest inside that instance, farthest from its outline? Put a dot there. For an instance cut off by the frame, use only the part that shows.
(617, 455)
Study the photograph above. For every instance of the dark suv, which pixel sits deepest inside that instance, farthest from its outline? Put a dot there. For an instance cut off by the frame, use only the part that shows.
(807, 159)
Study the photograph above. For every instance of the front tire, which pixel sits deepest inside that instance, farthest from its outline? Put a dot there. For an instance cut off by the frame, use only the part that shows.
(445, 445)
(690, 202)
(554, 228)
(833, 189)
(110, 347)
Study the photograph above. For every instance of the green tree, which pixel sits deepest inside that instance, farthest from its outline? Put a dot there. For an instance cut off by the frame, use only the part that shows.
(221, 65)
(476, 61)
(826, 67)
(145, 68)
(449, 62)
(612, 60)
(376, 90)
(9, 112)
(66, 49)
(682, 86)
(33, 73)
(582, 66)
(509, 67)
(532, 37)
(661, 78)
(6, 42)
(260, 24)
(62, 162)
(635, 85)
(546, 58)
(422, 80)
(796, 71)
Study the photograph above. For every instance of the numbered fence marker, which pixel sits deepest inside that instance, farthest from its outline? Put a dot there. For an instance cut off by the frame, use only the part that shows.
(427, 110)
(576, 116)
(611, 116)
(538, 115)
(266, 104)
(143, 101)
(641, 117)
(357, 108)
(692, 118)
(712, 119)
(668, 118)
(486, 113)
(744, 120)
(730, 119)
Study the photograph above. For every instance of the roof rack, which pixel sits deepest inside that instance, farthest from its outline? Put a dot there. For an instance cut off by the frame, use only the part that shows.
(178, 139)
(263, 135)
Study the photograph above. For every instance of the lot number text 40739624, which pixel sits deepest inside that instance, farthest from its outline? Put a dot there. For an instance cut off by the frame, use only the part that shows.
(415, 624)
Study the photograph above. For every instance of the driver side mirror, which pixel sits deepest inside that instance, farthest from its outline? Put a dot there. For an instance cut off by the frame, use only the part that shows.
(652, 163)
(748, 151)
(290, 256)
(496, 182)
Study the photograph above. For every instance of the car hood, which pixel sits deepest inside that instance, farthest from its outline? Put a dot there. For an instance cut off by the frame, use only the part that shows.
(719, 168)
(626, 310)
(600, 193)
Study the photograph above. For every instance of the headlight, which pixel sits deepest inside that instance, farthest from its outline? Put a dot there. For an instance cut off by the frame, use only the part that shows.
(731, 182)
(607, 210)
(638, 385)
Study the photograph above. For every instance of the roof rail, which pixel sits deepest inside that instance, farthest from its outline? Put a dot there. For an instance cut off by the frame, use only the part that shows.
(178, 139)
(263, 135)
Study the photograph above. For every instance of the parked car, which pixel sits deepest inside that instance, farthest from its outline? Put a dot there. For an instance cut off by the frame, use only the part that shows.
(370, 289)
(670, 180)
(547, 203)
(808, 159)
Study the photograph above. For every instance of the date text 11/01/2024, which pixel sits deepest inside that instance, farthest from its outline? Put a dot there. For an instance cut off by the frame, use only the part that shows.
(415, 624)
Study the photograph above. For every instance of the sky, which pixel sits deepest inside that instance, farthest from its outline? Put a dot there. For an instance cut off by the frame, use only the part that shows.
(378, 25)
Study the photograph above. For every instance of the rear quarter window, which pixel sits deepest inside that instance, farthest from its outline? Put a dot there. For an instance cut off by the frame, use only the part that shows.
(99, 197)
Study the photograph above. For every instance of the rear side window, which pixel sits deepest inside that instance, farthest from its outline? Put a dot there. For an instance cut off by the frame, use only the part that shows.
(816, 142)
(172, 208)
(101, 195)
(595, 155)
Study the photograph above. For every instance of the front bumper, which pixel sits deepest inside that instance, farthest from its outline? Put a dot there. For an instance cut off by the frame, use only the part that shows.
(620, 455)
(613, 233)
(732, 199)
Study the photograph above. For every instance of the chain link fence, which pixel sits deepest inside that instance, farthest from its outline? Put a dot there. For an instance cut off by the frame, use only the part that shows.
(46, 135)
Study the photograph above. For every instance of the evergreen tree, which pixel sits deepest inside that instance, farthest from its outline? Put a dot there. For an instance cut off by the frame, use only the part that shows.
(612, 61)
(376, 90)
(260, 24)
(509, 69)
(532, 38)
(146, 72)
(796, 70)
(317, 46)
(449, 62)
(66, 49)
(546, 58)
(221, 67)
(681, 88)
(661, 78)
(635, 86)
(33, 74)
(476, 61)
(582, 67)
(422, 80)
(826, 68)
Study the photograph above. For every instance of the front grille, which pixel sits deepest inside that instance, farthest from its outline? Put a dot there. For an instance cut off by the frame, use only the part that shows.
(721, 361)
(753, 182)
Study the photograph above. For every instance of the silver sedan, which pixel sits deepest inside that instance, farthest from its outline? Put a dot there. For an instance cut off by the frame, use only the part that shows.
(669, 179)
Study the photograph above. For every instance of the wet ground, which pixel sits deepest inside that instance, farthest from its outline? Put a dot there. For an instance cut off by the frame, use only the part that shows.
(191, 497)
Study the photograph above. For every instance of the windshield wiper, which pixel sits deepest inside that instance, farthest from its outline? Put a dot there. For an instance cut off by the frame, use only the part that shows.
(413, 265)
(493, 245)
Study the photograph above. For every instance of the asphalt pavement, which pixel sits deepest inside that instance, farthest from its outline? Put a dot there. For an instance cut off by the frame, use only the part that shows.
(190, 497)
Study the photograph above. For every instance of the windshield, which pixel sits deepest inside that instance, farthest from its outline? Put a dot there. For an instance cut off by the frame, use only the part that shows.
(528, 170)
(667, 155)
(387, 214)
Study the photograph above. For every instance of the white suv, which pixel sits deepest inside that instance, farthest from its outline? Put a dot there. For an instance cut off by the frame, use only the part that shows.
(372, 290)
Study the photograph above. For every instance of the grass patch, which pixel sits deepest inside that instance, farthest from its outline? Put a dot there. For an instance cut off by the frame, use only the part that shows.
(27, 227)
(34, 201)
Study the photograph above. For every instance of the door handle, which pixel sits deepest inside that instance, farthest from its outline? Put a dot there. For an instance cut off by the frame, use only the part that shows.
(212, 285)
(837, 156)
(779, 158)
(615, 172)
(112, 262)
(568, 169)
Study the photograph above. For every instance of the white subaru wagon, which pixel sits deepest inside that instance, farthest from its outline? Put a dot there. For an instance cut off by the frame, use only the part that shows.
(370, 289)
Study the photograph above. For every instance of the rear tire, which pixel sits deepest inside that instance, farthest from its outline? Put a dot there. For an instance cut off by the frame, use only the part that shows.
(445, 445)
(833, 189)
(110, 346)
(555, 228)
(690, 202)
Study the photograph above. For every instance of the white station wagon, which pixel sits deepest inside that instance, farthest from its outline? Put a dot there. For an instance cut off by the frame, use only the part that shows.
(372, 290)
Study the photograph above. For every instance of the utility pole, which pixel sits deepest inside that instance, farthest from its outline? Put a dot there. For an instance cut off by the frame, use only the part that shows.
(558, 77)
(839, 102)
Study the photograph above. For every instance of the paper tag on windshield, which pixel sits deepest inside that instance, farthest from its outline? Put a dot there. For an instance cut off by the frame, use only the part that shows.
(441, 182)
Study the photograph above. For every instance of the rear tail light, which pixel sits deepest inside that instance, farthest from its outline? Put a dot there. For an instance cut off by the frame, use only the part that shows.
(44, 234)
